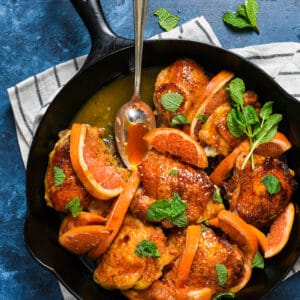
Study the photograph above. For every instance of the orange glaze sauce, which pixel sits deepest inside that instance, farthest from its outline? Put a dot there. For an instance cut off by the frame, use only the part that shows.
(137, 147)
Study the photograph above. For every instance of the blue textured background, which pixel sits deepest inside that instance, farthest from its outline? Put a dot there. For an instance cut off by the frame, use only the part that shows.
(38, 34)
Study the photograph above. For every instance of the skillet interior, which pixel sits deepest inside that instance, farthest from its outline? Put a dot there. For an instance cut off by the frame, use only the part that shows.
(42, 223)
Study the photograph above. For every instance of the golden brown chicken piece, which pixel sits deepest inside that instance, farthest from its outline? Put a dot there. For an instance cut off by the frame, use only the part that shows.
(212, 250)
(121, 268)
(184, 77)
(158, 182)
(215, 133)
(58, 196)
(249, 197)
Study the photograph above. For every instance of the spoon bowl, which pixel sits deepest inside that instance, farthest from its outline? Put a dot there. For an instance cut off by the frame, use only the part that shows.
(135, 118)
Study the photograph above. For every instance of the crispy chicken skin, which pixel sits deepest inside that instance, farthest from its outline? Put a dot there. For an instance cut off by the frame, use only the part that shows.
(249, 197)
(59, 196)
(184, 77)
(120, 268)
(215, 133)
(193, 186)
(212, 250)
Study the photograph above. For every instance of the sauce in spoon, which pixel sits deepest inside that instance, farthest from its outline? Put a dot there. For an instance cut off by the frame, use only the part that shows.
(135, 113)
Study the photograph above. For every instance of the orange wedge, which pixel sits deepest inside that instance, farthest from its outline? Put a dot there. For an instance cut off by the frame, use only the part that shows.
(82, 239)
(274, 148)
(177, 143)
(93, 164)
(214, 95)
(117, 215)
(280, 231)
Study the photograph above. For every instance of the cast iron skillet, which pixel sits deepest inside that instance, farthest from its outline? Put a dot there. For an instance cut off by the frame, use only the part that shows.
(109, 58)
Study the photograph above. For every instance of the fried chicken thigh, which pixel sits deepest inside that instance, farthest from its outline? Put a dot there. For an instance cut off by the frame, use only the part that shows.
(249, 197)
(58, 196)
(184, 77)
(193, 186)
(121, 268)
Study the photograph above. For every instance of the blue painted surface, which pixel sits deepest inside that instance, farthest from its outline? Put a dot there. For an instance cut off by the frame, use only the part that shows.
(38, 34)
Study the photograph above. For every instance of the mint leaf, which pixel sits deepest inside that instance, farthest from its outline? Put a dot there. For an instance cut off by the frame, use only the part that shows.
(147, 248)
(258, 261)
(241, 11)
(74, 206)
(179, 221)
(266, 110)
(166, 20)
(217, 196)
(202, 118)
(174, 172)
(236, 21)
(252, 11)
(59, 176)
(171, 101)
(251, 115)
(236, 90)
(222, 274)
(271, 183)
(172, 210)
(179, 120)
(268, 129)
(235, 126)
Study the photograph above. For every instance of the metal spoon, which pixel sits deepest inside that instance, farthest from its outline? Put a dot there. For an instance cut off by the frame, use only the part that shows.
(135, 117)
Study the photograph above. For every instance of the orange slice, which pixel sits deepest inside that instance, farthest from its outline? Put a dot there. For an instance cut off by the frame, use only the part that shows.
(261, 237)
(189, 252)
(93, 164)
(241, 234)
(280, 231)
(82, 239)
(117, 214)
(210, 100)
(276, 147)
(223, 169)
(176, 142)
(84, 218)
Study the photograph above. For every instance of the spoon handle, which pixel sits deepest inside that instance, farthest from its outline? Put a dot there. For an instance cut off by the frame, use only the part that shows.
(140, 12)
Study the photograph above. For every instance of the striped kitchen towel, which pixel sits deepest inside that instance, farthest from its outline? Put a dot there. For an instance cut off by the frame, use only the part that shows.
(30, 98)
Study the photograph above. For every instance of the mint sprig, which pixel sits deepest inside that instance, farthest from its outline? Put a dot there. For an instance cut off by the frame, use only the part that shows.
(166, 20)
(244, 120)
(244, 17)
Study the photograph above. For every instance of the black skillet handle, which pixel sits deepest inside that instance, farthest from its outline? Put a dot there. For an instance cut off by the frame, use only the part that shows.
(104, 41)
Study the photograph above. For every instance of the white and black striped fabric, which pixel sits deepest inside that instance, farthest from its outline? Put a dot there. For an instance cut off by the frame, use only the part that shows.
(30, 98)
